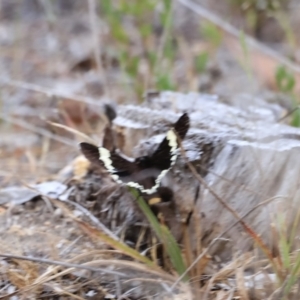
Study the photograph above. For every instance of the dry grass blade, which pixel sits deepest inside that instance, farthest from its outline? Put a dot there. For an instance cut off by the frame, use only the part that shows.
(225, 272)
(116, 244)
(49, 92)
(72, 130)
(198, 270)
(40, 131)
(46, 277)
(63, 264)
(54, 273)
(95, 221)
(89, 255)
(240, 283)
(65, 209)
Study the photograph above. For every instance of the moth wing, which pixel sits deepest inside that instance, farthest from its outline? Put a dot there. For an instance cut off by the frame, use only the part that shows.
(91, 152)
(182, 126)
(121, 165)
(113, 162)
(108, 139)
(162, 157)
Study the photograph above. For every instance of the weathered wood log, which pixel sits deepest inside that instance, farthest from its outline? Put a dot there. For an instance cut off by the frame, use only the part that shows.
(244, 155)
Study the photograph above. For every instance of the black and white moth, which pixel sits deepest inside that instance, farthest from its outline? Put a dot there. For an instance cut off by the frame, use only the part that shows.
(133, 172)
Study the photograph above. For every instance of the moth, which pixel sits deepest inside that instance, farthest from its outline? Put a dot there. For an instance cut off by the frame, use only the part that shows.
(133, 172)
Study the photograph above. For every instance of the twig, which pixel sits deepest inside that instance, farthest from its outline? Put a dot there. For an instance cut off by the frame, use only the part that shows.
(226, 27)
(72, 130)
(289, 113)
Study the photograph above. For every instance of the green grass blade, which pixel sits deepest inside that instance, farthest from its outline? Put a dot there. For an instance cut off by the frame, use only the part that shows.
(163, 234)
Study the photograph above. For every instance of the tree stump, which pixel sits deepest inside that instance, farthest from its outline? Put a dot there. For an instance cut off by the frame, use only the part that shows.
(245, 156)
